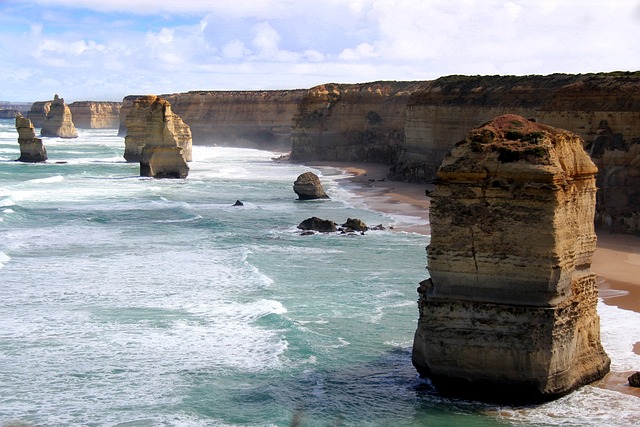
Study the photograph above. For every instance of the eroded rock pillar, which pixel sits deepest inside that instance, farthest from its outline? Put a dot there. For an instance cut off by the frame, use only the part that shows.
(509, 313)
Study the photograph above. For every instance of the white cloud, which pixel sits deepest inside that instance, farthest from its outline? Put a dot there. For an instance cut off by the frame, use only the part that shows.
(172, 46)
(235, 49)
(362, 51)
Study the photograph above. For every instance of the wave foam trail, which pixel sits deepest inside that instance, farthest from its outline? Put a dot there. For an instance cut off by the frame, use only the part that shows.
(50, 179)
(4, 258)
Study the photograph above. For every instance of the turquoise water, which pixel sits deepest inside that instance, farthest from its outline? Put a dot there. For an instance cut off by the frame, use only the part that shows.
(137, 302)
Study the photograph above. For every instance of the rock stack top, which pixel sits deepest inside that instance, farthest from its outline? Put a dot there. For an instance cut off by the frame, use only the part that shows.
(518, 149)
(59, 122)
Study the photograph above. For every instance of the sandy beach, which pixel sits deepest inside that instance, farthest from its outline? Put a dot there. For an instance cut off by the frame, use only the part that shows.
(616, 260)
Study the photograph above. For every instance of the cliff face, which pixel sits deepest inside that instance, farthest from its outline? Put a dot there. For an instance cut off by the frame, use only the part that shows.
(412, 125)
(510, 310)
(96, 114)
(361, 122)
(157, 138)
(603, 109)
(259, 119)
(59, 121)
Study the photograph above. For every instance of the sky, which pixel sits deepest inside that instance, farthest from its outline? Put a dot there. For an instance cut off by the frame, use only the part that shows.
(103, 50)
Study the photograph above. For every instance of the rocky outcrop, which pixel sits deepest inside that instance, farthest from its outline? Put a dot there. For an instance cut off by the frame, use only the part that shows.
(96, 114)
(308, 187)
(634, 379)
(32, 149)
(151, 121)
(509, 313)
(318, 224)
(59, 121)
(158, 139)
(355, 224)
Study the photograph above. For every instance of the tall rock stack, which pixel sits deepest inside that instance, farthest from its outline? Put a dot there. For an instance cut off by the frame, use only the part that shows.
(32, 149)
(157, 138)
(509, 313)
(59, 122)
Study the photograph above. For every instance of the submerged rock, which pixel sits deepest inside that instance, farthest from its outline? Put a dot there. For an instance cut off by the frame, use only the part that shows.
(308, 187)
(158, 139)
(59, 122)
(32, 149)
(510, 311)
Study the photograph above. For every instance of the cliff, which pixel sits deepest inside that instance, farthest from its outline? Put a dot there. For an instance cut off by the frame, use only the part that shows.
(32, 149)
(359, 122)
(258, 119)
(59, 121)
(157, 138)
(410, 126)
(510, 310)
(96, 114)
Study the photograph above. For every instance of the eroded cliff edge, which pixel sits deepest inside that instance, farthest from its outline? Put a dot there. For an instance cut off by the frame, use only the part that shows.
(410, 126)
(509, 313)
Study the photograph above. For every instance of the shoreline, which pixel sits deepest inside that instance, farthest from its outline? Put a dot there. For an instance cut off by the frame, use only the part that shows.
(616, 260)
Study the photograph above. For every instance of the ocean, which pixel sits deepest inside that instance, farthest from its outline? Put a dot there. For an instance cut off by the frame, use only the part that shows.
(129, 301)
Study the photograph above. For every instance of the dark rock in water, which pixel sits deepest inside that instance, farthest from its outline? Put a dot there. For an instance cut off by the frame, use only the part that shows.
(308, 233)
(634, 379)
(317, 224)
(308, 187)
(32, 149)
(238, 203)
(355, 224)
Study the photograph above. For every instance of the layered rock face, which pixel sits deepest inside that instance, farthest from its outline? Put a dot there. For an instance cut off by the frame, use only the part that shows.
(509, 313)
(96, 114)
(439, 114)
(158, 139)
(38, 113)
(258, 119)
(59, 122)
(32, 149)
(150, 120)
(359, 122)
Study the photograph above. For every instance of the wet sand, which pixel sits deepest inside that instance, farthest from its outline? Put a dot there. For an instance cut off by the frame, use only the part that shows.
(616, 260)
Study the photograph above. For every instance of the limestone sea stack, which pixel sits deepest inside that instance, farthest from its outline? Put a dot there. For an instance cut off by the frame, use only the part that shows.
(509, 313)
(308, 187)
(32, 149)
(59, 122)
(158, 139)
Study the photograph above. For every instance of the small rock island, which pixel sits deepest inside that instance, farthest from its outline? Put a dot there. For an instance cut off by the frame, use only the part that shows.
(509, 313)
(32, 150)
